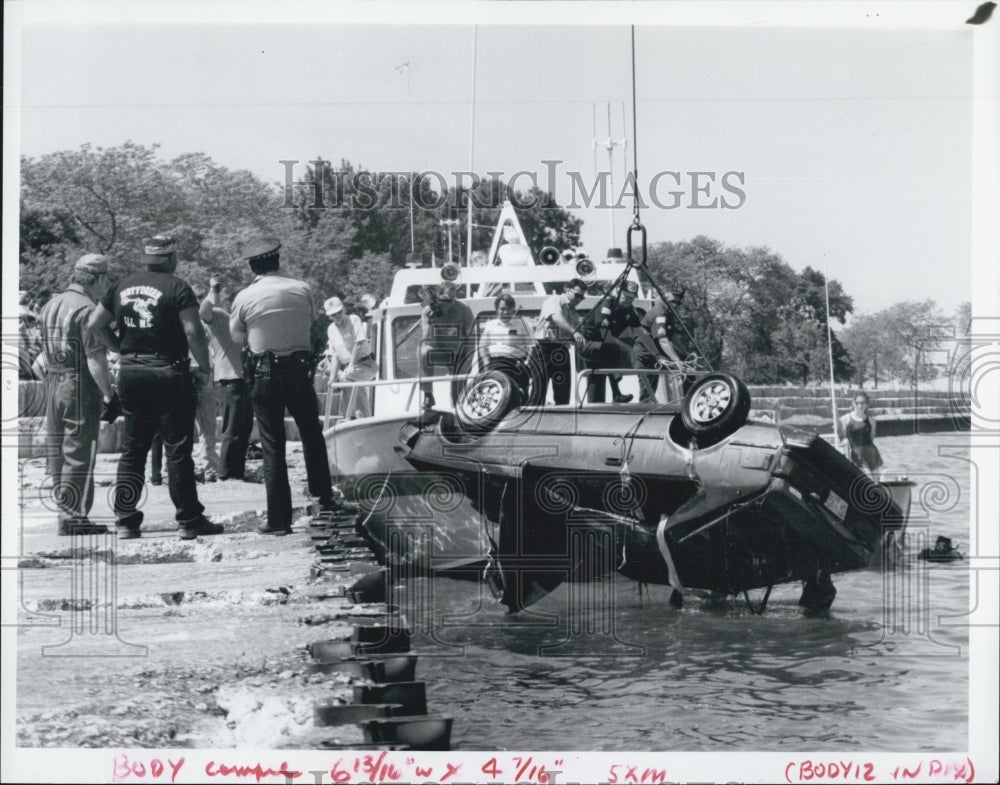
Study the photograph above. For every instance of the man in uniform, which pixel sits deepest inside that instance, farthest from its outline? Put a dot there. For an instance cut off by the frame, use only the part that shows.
(234, 392)
(448, 326)
(157, 317)
(662, 325)
(274, 317)
(609, 342)
(555, 330)
(76, 380)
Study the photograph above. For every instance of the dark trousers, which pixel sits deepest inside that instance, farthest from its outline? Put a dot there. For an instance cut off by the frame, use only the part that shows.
(600, 356)
(233, 396)
(156, 457)
(445, 358)
(286, 383)
(552, 363)
(72, 422)
(156, 398)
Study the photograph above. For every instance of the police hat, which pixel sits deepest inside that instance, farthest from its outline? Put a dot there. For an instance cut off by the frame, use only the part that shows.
(158, 249)
(92, 263)
(260, 249)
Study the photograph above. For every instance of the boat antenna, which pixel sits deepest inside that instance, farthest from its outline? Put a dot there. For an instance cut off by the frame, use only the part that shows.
(635, 149)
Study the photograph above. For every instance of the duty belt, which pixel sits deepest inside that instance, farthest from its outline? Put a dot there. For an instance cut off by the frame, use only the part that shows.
(269, 362)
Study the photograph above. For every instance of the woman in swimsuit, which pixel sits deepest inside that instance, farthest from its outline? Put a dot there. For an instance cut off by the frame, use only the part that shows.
(858, 426)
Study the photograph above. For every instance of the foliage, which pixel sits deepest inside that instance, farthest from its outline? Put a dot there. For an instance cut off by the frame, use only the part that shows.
(897, 342)
(750, 312)
(347, 230)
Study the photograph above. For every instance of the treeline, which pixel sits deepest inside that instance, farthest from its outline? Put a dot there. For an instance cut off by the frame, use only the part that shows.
(747, 310)
(109, 200)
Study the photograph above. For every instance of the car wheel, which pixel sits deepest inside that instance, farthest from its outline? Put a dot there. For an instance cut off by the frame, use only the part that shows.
(485, 400)
(715, 406)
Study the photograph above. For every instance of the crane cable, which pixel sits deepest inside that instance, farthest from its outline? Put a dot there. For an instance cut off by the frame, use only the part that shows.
(635, 145)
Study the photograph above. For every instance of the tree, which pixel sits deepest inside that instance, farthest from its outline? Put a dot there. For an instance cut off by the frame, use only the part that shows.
(916, 328)
(872, 353)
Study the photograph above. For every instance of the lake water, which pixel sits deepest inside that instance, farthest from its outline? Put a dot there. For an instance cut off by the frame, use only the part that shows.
(605, 666)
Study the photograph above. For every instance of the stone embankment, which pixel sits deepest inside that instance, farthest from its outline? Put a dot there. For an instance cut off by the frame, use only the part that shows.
(899, 412)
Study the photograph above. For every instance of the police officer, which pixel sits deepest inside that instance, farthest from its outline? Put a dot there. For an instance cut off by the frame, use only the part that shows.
(76, 380)
(273, 317)
(157, 316)
(608, 333)
(667, 342)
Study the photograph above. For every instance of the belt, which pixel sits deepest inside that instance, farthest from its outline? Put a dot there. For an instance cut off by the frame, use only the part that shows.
(291, 357)
(269, 361)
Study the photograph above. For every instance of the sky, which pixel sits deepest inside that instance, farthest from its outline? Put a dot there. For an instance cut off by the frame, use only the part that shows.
(839, 147)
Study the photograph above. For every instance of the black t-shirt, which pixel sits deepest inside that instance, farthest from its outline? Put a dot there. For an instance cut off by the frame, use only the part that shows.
(145, 306)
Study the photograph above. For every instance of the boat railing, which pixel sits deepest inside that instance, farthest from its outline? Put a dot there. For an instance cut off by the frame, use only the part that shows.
(670, 391)
(354, 389)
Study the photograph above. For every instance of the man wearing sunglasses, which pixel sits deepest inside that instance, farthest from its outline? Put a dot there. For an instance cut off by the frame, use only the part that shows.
(555, 333)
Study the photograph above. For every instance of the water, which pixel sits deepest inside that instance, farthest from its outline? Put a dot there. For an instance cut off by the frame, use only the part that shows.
(870, 674)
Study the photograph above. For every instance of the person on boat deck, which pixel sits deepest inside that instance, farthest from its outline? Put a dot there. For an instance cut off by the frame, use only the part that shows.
(505, 342)
(662, 326)
(273, 316)
(607, 342)
(858, 427)
(348, 346)
(555, 331)
(448, 340)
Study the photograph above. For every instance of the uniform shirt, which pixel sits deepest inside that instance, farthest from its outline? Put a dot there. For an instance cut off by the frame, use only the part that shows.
(624, 322)
(453, 322)
(661, 323)
(225, 352)
(341, 345)
(145, 306)
(557, 303)
(65, 340)
(277, 312)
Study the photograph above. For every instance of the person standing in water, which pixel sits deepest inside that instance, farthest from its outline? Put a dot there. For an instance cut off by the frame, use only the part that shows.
(858, 428)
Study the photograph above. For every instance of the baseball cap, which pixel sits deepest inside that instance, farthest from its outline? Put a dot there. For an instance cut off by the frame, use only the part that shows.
(93, 263)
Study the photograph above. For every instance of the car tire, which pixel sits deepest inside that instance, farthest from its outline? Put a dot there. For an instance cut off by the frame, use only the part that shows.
(485, 400)
(715, 406)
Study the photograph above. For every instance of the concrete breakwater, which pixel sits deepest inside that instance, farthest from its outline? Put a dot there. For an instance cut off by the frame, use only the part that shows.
(899, 412)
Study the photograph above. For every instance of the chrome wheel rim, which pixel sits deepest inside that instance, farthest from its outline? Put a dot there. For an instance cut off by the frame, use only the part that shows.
(710, 402)
(484, 399)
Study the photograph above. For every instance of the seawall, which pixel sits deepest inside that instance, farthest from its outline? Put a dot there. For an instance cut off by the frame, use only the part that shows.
(899, 412)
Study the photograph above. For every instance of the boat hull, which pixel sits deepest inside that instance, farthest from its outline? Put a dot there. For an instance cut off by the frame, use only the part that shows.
(420, 521)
